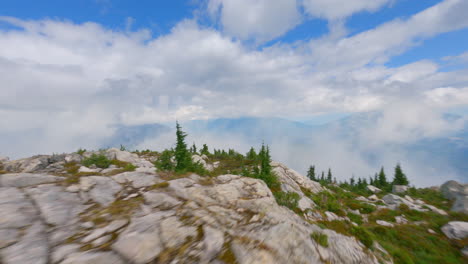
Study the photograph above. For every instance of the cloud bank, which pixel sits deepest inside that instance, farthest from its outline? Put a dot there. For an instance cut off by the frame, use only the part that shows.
(65, 84)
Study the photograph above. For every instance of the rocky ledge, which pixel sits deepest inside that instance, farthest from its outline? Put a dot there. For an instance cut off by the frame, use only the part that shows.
(143, 216)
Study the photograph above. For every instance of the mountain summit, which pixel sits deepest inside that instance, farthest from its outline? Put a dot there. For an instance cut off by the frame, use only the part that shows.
(114, 206)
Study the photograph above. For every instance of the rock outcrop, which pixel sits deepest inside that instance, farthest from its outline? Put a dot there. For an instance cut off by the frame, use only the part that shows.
(142, 217)
(399, 188)
(459, 193)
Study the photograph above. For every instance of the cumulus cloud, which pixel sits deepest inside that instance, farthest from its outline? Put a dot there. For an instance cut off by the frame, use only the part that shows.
(65, 85)
(339, 9)
(261, 20)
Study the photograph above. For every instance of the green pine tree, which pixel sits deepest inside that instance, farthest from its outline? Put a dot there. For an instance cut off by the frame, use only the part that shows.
(205, 150)
(194, 148)
(329, 176)
(311, 173)
(382, 178)
(183, 158)
(164, 161)
(251, 155)
(376, 180)
(400, 177)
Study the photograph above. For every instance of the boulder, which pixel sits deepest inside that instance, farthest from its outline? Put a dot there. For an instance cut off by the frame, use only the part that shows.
(292, 181)
(384, 223)
(32, 164)
(459, 192)
(393, 201)
(373, 189)
(401, 220)
(399, 188)
(4, 159)
(452, 190)
(456, 230)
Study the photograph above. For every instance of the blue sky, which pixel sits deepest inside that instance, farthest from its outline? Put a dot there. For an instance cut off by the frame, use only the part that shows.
(73, 71)
(161, 16)
(103, 63)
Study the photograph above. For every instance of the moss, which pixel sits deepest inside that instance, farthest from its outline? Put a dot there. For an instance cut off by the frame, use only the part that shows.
(124, 207)
(71, 167)
(159, 185)
(206, 181)
(227, 256)
(320, 238)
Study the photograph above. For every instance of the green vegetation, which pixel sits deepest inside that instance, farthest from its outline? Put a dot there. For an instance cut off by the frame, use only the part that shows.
(320, 238)
(355, 218)
(183, 158)
(100, 161)
(81, 151)
(311, 173)
(288, 199)
(400, 177)
(164, 161)
(328, 202)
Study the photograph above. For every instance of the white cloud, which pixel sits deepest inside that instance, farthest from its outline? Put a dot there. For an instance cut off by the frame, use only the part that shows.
(260, 20)
(392, 38)
(65, 84)
(340, 9)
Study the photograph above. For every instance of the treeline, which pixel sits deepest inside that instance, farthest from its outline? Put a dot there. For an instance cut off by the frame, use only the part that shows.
(252, 164)
(379, 180)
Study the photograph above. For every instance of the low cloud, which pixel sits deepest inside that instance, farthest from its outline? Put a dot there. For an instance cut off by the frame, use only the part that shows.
(66, 85)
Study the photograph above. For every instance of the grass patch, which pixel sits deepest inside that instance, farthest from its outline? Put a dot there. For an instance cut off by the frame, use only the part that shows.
(320, 238)
(345, 228)
(361, 206)
(124, 207)
(432, 197)
(328, 202)
(287, 199)
(355, 218)
(413, 244)
(100, 161)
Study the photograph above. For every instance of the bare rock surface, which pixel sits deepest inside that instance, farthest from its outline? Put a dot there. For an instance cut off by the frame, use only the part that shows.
(138, 217)
(26, 179)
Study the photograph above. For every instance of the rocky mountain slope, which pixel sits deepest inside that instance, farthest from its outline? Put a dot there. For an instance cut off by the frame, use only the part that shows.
(56, 210)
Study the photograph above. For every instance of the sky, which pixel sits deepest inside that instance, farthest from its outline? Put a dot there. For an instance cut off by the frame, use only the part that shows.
(70, 70)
